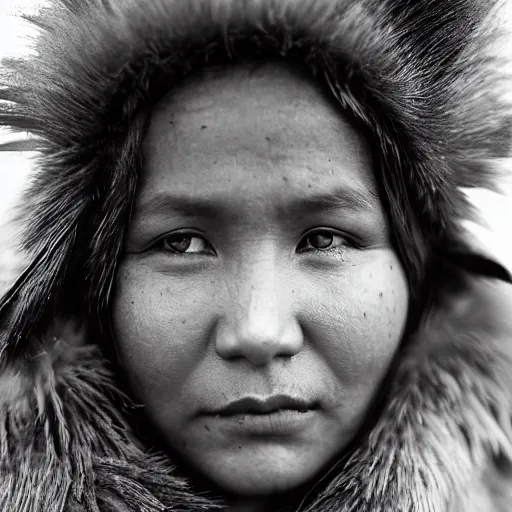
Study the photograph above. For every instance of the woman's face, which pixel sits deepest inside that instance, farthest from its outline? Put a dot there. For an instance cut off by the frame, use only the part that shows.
(259, 302)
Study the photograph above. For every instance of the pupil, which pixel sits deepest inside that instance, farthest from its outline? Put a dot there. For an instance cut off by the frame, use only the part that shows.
(181, 244)
(321, 241)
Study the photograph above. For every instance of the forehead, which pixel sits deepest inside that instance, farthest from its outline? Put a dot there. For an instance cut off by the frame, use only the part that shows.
(252, 130)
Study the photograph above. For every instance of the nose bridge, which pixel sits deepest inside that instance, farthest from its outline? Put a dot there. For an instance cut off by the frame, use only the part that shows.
(258, 313)
(260, 323)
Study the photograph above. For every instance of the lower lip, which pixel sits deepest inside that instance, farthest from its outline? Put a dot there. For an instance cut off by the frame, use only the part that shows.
(282, 423)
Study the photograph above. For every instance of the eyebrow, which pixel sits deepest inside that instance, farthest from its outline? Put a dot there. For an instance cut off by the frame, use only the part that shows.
(350, 198)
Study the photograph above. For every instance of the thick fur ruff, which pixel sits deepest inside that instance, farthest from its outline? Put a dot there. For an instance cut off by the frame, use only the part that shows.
(419, 81)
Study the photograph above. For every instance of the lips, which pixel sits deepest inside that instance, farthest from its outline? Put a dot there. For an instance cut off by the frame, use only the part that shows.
(278, 418)
(251, 405)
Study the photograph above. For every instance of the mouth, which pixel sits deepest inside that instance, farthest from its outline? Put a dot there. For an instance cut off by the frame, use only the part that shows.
(276, 417)
(265, 406)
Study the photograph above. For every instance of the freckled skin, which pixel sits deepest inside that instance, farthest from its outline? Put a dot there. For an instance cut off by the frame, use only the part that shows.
(259, 317)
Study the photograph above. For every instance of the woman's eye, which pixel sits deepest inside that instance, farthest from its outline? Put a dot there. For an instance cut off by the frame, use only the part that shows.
(186, 243)
(321, 240)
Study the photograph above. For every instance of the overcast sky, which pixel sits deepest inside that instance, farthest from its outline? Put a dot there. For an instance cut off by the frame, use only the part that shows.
(13, 41)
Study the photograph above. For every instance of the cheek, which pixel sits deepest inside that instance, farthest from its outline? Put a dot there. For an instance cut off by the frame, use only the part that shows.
(358, 320)
(162, 328)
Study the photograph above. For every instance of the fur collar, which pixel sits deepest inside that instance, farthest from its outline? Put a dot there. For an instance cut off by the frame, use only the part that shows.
(443, 441)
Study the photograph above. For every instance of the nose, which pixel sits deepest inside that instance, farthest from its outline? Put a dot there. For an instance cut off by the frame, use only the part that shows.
(259, 323)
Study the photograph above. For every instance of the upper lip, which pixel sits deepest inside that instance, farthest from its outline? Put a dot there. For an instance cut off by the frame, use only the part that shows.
(253, 405)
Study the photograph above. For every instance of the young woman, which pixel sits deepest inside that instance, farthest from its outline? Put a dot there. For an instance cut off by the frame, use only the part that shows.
(248, 287)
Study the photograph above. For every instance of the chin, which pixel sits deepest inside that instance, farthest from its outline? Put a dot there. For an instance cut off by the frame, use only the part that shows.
(275, 472)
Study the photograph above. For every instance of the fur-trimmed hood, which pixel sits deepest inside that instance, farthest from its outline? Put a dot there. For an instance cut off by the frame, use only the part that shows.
(419, 79)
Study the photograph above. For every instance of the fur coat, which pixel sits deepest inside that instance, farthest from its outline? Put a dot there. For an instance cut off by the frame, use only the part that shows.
(419, 78)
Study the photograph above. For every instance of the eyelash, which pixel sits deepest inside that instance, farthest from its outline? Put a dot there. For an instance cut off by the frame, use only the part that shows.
(161, 244)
